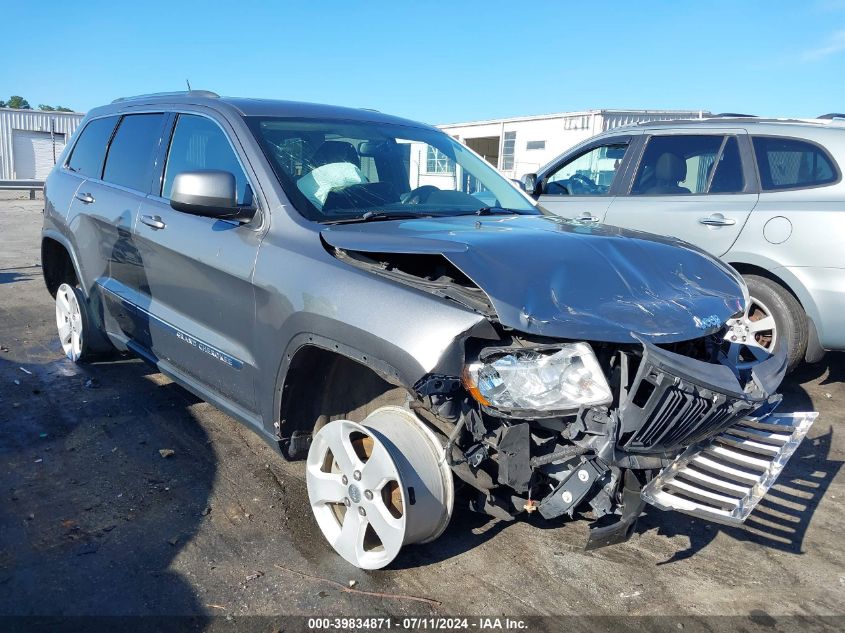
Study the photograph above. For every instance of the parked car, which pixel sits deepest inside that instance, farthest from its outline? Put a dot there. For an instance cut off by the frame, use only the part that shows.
(764, 195)
(285, 262)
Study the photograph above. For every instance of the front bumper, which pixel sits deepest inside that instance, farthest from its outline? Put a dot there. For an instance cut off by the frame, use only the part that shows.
(723, 479)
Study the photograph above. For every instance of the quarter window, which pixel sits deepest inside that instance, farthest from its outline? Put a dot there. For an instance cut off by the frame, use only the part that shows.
(678, 164)
(199, 143)
(589, 174)
(789, 163)
(90, 149)
(129, 161)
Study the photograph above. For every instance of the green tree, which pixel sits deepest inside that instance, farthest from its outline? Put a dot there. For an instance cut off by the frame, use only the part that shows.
(18, 103)
(49, 108)
(2, 104)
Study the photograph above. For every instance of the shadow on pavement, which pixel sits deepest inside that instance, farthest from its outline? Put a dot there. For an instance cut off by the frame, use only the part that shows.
(11, 275)
(92, 515)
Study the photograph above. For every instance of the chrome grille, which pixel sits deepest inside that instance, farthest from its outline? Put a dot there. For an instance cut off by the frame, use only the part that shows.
(680, 418)
(724, 479)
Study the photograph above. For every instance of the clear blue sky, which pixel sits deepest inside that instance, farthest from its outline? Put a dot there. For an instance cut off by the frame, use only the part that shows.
(437, 61)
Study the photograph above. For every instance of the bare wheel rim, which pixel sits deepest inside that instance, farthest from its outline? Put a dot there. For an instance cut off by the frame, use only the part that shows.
(69, 322)
(751, 337)
(372, 492)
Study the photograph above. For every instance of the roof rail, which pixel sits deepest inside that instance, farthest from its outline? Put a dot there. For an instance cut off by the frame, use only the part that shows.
(178, 93)
(733, 115)
(832, 115)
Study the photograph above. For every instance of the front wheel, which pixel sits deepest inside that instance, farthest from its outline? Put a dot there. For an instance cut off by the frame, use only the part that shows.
(774, 317)
(80, 339)
(377, 486)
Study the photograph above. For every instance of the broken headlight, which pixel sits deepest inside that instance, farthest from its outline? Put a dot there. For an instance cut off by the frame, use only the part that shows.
(543, 380)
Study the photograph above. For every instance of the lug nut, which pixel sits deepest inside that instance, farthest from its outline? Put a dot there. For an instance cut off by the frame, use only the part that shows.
(362, 512)
(347, 502)
(566, 496)
(345, 480)
(583, 475)
(368, 494)
(357, 475)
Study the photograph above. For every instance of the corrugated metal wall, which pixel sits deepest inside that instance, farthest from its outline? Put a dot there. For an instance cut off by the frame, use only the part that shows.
(32, 120)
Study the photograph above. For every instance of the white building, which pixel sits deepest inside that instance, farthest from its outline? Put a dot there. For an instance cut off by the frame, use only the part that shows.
(521, 145)
(31, 141)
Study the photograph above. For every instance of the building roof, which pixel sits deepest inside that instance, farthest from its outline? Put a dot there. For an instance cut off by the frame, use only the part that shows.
(36, 111)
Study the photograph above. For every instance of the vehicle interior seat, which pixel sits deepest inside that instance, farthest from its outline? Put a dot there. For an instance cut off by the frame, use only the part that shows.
(669, 170)
(335, 152)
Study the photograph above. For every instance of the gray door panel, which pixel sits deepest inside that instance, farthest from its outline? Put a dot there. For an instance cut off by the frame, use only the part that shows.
(199, 297)
(102, 217)
(712, 222)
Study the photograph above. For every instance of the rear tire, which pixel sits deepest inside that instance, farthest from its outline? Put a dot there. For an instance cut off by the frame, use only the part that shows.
(791, 330)
(81, 340)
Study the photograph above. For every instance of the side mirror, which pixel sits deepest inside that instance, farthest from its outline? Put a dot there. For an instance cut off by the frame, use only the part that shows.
(210, 193)
(530, 185)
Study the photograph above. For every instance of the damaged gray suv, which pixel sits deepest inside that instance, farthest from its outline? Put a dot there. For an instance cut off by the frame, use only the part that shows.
(371, 297)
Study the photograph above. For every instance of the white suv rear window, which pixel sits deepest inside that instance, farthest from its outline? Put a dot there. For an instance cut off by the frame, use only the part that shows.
(786, 163)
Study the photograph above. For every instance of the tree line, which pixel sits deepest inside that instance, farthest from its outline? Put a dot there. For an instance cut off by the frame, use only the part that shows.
(16, 102)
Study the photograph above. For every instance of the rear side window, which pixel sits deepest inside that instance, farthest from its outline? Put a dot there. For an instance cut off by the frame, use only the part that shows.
(130, 158)
(789, 163)
(90, 149)
(199, 143)
(678, 164)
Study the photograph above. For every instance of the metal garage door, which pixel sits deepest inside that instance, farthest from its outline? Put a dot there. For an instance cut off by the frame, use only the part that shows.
(35, 153)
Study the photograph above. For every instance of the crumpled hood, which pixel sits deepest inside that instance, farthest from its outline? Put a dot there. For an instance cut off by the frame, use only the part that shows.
(554, 277)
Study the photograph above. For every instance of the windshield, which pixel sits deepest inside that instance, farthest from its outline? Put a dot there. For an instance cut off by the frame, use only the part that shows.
(345, 170)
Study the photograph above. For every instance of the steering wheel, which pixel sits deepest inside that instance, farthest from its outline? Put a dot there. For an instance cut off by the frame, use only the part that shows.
(586, 183)
(419, 195)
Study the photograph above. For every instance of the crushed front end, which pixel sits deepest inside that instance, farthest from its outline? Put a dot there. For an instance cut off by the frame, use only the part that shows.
(599, 429)
(617, 368)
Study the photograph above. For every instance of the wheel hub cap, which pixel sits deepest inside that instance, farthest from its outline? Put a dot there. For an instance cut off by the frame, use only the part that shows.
(354, 494)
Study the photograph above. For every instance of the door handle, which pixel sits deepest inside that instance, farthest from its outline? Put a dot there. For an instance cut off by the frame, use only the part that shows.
(587, 217)
(153, 221)
(717, 219)
(85, 198)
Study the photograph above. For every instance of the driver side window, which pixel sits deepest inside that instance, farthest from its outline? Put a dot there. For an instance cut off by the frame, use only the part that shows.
(589, 174)
(198, 143)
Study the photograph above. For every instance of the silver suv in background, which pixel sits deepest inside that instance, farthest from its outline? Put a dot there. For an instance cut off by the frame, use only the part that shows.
(766, 196)
(290, 264)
